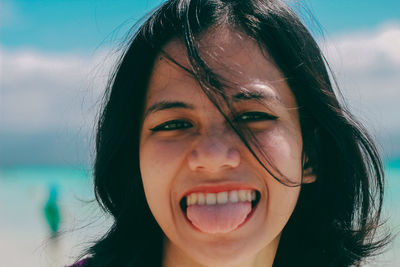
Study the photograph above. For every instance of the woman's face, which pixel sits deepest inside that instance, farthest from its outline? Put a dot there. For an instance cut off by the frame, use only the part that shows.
(234, 209)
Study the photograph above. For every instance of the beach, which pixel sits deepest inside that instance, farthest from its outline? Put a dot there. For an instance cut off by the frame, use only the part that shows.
(25, 236)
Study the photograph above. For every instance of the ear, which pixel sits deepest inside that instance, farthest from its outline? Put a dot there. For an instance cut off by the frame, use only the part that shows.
(308, 172)
(309, 176)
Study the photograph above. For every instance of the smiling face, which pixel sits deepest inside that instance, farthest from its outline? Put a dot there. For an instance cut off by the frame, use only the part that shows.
(215, 203)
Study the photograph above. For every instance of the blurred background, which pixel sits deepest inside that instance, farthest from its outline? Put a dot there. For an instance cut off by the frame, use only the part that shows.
(55, 57)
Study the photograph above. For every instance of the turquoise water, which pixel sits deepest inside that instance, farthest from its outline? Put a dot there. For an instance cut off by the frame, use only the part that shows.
(24, 234)
(25, 190)
(392, 198)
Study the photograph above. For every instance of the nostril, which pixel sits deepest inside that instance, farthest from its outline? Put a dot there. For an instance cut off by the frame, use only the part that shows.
(213, 160)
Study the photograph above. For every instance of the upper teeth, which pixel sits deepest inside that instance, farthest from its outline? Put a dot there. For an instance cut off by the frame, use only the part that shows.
(220, 197)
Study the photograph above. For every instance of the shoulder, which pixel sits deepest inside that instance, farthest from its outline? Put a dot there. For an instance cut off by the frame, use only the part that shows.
(82, 263)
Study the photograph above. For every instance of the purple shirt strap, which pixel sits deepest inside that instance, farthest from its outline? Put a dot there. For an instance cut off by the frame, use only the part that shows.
(81, 263)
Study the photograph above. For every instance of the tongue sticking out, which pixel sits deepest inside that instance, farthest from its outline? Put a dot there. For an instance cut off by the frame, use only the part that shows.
(218, 218)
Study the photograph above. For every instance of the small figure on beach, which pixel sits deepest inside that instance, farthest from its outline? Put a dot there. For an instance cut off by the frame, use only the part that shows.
(52, 211)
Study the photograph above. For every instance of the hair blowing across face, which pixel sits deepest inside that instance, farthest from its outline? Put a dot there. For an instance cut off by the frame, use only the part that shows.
(335, 220)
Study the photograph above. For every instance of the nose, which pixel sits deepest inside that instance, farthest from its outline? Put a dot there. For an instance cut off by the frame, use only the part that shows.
(214, 152)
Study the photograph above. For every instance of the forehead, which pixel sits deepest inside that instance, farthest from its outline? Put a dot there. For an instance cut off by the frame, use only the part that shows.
(232, 55)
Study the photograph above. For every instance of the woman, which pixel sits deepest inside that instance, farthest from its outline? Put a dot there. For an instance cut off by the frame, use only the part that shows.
(222, 143)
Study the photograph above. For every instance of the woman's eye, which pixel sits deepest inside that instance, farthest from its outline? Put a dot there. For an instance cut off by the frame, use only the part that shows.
(254, 117)
(172, 125)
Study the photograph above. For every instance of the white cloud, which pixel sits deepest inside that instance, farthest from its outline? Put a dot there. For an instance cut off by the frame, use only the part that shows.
(41, 92)
(367, 66)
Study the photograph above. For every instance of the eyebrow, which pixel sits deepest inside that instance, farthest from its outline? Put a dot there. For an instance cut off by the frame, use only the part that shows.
(163, 105)
(243, 95)
(257, 95)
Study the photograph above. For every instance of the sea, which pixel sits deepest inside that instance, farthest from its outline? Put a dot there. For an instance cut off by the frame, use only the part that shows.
(26, 239)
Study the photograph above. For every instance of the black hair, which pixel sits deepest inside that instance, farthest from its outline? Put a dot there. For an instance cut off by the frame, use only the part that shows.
(336, 218)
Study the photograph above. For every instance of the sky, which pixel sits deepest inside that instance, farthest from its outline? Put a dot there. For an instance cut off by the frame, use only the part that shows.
(55, 57)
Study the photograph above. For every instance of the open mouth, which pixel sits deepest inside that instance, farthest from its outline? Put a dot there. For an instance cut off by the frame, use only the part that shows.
(220, 212)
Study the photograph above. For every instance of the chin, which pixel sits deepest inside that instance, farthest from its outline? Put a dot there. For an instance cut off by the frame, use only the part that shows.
(227, 253)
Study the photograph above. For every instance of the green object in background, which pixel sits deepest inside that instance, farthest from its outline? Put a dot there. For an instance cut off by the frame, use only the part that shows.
(52, 212)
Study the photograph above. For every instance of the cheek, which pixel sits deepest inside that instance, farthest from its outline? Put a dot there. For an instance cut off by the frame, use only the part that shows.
(160, 162)
(281, 199)
(281, 202)
(284, 149)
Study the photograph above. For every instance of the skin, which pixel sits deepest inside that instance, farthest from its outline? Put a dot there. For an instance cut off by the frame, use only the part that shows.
(204, 150)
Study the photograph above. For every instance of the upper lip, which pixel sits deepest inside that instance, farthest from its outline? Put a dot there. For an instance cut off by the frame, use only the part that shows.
(219, 187)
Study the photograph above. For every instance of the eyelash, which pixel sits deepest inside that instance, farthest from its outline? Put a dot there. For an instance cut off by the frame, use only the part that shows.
(172, 125)
(254, 116)
(242, 118)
